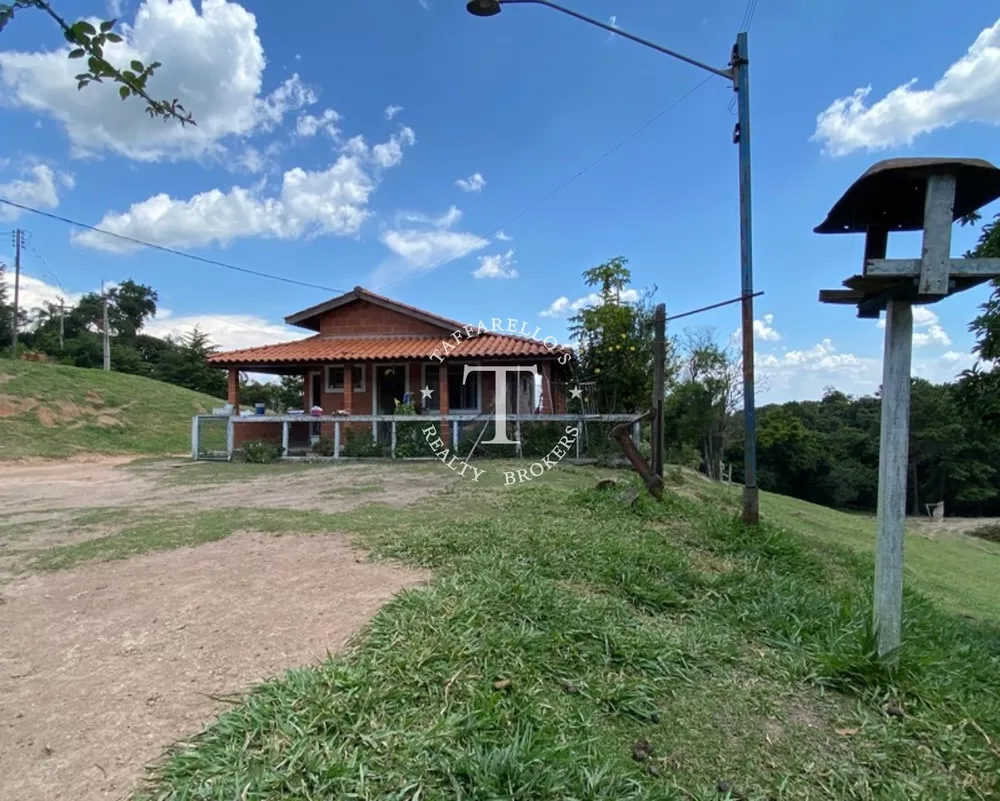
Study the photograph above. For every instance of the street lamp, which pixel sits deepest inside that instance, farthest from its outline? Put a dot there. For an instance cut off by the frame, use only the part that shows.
(737, 73)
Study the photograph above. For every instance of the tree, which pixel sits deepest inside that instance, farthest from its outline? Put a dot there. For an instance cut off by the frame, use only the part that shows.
(89, 42)
(6, 312)
(187, 365)
(701, 407)
(981, 384)
(614, 340)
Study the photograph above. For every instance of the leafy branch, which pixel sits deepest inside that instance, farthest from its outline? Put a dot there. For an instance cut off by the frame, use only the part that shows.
(89, 42)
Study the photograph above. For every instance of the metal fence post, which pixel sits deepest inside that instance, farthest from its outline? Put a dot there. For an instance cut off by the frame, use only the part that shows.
(336, 439)
(284, 438)
(230, 437)
(454, 433)
(195, 445)
(392, 435)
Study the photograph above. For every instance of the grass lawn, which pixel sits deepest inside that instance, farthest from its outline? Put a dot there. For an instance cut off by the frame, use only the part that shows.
(571, 647)
(51, 410)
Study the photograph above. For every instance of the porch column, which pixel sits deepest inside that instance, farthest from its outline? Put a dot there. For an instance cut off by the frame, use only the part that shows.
(348, 388)
(234, 389)
(443, 388)
(546, 388)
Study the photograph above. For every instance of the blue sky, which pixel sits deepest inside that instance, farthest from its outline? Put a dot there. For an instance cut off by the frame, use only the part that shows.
(383, 144)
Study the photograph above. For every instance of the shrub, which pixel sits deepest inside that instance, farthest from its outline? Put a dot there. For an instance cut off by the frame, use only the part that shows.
(325, 446)
(358, 444)
(261, 452)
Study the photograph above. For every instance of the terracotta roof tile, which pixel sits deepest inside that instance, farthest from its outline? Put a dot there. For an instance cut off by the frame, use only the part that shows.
(343, 349)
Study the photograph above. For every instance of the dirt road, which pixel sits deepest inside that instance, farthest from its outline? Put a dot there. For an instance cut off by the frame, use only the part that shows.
(104, 665)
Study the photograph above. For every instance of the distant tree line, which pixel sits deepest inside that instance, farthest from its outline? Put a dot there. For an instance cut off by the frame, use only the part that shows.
(73, 334)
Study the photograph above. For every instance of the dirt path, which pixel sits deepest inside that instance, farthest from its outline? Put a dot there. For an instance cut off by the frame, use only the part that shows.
(104, 665)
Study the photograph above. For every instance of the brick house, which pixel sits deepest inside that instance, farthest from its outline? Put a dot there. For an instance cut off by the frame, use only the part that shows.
(369, 351)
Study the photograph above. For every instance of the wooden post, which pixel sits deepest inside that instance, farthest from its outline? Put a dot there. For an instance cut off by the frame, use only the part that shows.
(892, 463)
(659, 369)
(935, 262)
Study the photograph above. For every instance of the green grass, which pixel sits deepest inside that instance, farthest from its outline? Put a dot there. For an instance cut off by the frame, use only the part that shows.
(563, 630)
(52, 410)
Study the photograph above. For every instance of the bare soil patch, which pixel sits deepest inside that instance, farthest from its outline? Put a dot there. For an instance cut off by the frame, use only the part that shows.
(103, 666)
(949, 526)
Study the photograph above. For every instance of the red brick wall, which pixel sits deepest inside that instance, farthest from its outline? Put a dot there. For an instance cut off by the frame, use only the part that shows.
(362, 317)
(256, 432)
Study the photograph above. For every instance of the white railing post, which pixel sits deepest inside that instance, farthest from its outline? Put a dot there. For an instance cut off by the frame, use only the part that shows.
(230, 437)
(454, 433)
(517, 436)
(392, 440)
(195, 444)
(579, 438)
(336, 439)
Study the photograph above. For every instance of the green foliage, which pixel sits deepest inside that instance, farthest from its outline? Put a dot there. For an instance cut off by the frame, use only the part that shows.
(285, 394)
(700, 406)
(88, 42)
(826, 451)
(325, 446)
(358, 443)
(261, 452)
(614, 341)
(986, 326)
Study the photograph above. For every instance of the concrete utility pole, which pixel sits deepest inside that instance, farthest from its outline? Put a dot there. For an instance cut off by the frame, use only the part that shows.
(104, 326)
(18, 237)
(736, 72)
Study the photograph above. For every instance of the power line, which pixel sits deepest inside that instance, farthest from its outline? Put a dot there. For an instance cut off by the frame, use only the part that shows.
(712, 306)
(558, 189)
(171, 251)
(748, 13)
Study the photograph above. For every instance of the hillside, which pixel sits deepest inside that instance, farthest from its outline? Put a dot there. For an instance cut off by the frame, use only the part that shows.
(49, 410)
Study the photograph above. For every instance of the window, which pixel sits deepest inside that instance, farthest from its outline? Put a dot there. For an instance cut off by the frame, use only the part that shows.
(462, 397)
(335, 378)
(430, 375)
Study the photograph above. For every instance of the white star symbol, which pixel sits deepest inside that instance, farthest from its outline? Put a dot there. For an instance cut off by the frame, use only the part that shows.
(576, 393)
(425, 393)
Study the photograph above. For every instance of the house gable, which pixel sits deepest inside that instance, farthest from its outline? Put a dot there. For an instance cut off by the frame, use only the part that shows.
(361, 308)
(363, 317)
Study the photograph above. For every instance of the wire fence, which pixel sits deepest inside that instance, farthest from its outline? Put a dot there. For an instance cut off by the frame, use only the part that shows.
(580, 437)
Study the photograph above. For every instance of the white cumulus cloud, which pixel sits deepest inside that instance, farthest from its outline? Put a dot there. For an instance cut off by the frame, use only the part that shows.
(389, 154)
(37, 187)
(969, 91)
(333, 202)
(392, 111)
(212, 61)
(497, 265)
(927, 328)
(309, 125)
(562, 306)
(474, 183)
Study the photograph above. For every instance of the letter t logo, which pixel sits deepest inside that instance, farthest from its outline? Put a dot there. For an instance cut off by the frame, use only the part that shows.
(500, 373)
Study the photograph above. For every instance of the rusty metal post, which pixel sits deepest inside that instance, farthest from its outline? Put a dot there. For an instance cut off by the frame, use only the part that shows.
(653, 482)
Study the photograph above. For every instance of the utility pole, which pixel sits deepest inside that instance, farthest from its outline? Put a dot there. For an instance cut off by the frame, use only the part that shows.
(62, 314)
(104, 326)
(659, 369)
(18, 235)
